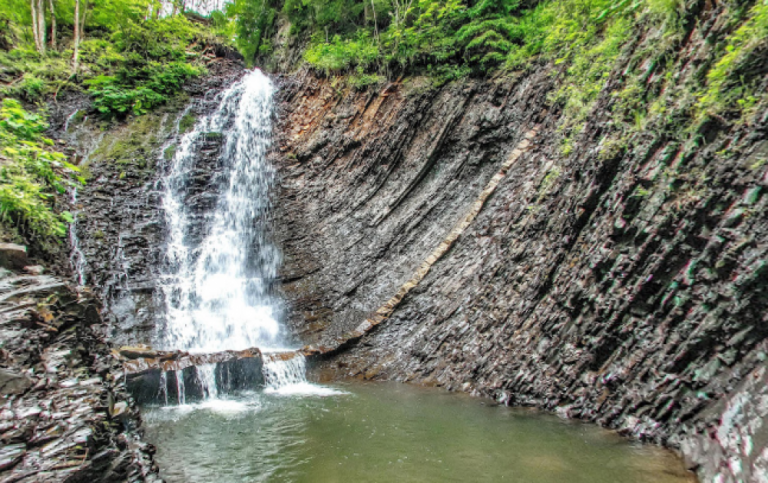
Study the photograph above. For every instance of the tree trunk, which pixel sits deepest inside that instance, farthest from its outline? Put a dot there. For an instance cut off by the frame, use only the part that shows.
(375, 25)
(82, 20)
(41, 24)
(53, 25)
(35, 32)
(76, 54)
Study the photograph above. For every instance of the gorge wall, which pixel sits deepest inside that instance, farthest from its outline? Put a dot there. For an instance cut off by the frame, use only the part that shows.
(622, 281)
(620, 277)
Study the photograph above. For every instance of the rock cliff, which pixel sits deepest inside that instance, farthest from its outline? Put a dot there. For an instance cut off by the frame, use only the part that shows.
(66, 415)
(623, 280)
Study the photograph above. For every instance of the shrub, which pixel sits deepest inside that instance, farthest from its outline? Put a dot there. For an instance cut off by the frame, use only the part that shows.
(31, 174)
(340, 55)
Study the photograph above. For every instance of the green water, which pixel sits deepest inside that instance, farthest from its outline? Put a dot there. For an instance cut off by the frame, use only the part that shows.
(387, 432)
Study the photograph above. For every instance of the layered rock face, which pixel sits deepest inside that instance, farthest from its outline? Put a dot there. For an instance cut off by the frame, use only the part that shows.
(626, 285)
(66, 415)
(372, 181)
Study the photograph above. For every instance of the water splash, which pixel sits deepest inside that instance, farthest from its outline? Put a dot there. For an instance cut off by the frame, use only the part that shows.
(181, 393)
(207, 375)
(283, 370)
(164, 386)
(217, 291)
(285, 375)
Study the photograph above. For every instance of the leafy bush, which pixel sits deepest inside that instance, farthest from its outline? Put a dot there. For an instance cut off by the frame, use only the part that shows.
(341, 55)
(733, 79)
(31, 174)
(141, 90)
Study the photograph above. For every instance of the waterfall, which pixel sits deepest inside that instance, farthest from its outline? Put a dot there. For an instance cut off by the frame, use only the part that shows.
(181, 392)
(207, 375)
(217, 290)
(220, 264)
(280, 372)
(76, 256)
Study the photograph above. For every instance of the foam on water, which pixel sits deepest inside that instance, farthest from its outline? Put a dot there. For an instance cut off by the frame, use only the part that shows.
(304, 389)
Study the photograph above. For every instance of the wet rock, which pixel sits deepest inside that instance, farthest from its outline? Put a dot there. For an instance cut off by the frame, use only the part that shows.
(62, 407)
(11, 454)
(34, 269)
(13, 256)
(137, 352)
(118, 410)
(14, 383)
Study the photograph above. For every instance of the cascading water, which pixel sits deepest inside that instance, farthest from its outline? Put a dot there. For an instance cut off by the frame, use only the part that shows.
(217, 288)
(217, 292)
(76, 256)
(280, 372)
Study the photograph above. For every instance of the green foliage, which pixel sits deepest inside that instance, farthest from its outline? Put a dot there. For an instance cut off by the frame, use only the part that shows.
(26, 75)
(130, 59)
(362, 81)
(141, 90)
(31, 174)
(732, 82)
(491, 32)
(331, 16)
(340, 55)
(252, 26)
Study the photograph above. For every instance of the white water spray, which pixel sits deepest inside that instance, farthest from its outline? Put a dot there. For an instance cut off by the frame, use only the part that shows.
(217, 292)
(279, 373)
(207, 375)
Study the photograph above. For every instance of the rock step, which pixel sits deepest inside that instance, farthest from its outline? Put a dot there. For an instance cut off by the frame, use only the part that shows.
(168, 377)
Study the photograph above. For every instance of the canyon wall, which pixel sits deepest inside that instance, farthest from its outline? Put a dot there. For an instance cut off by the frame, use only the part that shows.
(623, 280)
(446, 235)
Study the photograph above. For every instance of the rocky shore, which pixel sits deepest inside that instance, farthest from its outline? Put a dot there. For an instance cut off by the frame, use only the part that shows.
(65, 413)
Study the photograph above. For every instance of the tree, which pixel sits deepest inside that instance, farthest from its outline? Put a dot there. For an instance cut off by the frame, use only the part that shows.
(53, 25)
(38, 24)
(41, 24)
(76, 52)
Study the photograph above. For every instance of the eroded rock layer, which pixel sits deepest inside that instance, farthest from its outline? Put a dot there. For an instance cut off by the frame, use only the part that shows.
(66, 415)
(623, 280)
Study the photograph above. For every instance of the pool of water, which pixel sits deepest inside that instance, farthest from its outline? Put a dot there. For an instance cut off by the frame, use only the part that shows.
(388, 432)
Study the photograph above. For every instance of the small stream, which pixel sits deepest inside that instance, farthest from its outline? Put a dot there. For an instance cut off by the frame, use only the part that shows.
(389, 432)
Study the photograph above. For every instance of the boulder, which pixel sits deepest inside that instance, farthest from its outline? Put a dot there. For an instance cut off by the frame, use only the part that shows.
(14, 383)
(13, 256)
